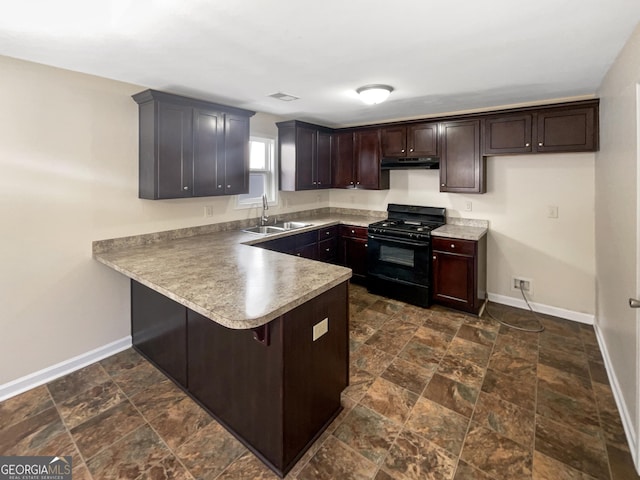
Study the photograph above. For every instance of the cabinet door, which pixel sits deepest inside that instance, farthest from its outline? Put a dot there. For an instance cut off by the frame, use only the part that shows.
(356, 253)
(342, 160)
(236, 159)
(507, 134)
(367, 155)
(394, 141)
(422, 140)
(570, 130)
(323, 160)
(453, 279)
(305, 158)
(208, 156)
(174, 157)
(462, 167)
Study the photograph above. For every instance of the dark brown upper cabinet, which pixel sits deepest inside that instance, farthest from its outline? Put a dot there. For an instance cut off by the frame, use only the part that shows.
(191, 148)
(566, 128)
(413, 140)
(462, 166)
(304, 150)
(356, 160)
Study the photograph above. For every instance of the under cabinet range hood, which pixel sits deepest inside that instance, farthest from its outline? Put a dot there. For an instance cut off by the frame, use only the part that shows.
(424, 163)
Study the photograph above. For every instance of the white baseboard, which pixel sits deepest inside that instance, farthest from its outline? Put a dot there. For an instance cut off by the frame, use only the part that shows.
(45, 375)
(580, 317)
(627, 422)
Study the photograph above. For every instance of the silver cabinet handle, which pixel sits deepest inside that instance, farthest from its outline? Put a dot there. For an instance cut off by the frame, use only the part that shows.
(539, 144)
(442, 185)
(633, 303)
(319, 183)
(435, 258)
(411, 149)
(527, 144)
(185, 188)
(453, 245)
(228, 186)
(328, 233)
(351, 183)
(353, 231)
(357, 183)
(402, 150)
(328, 250)
(219, 186)
(366, 244)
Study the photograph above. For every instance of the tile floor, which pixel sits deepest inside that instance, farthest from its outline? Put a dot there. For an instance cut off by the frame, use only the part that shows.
(434, 394)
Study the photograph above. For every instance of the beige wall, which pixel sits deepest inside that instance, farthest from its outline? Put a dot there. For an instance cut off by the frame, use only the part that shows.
(68, 152)
(557, 254)
(617, 217)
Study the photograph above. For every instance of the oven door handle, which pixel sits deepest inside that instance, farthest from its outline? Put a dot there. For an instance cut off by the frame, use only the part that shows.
(398, 240)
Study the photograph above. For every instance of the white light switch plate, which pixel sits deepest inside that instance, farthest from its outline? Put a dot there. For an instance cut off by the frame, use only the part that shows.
(320, 328)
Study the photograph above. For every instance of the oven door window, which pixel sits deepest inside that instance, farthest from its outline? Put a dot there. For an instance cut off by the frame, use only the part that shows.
(397, 255)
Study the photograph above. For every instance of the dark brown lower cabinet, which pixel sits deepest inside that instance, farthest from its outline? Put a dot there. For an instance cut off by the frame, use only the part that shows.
(460, 273)
(353, 251)
(276, 388)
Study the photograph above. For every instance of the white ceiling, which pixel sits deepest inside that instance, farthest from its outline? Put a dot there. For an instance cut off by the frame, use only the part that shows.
(439, 55)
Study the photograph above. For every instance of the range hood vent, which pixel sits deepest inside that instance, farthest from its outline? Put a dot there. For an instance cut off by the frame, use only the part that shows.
(419, 163)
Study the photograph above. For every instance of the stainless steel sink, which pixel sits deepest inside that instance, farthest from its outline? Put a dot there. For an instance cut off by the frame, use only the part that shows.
(292, 225)
(264, 230)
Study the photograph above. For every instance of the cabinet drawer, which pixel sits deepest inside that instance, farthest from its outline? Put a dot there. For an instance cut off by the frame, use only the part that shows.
(328, 249)
(327, 232)
(454, 245)
(353, 231)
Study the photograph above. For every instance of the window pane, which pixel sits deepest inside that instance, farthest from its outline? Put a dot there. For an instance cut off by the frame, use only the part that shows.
(258, 156)
(257, 187)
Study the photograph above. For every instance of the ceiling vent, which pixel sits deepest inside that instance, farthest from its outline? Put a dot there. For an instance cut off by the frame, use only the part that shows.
(285, 97)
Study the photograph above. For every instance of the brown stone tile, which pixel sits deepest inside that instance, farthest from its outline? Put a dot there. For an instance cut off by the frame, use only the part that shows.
(418, 353)
(511, 365)
(23, 406)
(33, 434)
(461, 370)
(372, 318)
(610, 420)
(527, 322)
(505, 418)
(520, 390)
(496, 455)
(368, 433)
(387, 306)
(516, 347)
(392, 336)
(180, 421)
(598, 372)
(560, 326)
(409, 375)
(621, 463)
(77, 382)
(247, 467)
(359, 329)
(577, 412)
(444, 323)
(563, 382)
(335, 460)
(588, 335)
(157, 398)
(571, 447)
(370, 360)
(414, 457)
(593, 353)
(97, 399)
(382, 475)
(467, 472)
(477, 335)
(210, 451)
(546, 468)
(138, 378)
(474, 352)
(436, 340)
(347, 405)
(80, 472)
(454, 395)
(438, 424)
(169, 468)
(106, 428)
(575, 364)
(308, 455)
(413, 314)
(389, 400)
(126, 360)
(359, 383)
(484, 323)
(131, 457)
(572, 345)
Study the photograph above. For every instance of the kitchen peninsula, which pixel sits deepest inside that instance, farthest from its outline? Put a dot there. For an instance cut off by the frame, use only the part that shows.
(258, 338)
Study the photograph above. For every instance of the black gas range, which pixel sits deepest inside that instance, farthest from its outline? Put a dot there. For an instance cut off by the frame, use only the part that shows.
(399, 253)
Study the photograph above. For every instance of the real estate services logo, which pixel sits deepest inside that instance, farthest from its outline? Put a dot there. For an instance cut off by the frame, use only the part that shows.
(35, 468)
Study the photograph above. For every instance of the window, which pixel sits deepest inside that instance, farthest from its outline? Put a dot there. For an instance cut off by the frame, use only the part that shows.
(262, 176)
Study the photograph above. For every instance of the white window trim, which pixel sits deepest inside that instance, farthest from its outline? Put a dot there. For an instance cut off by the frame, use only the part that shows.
(272, 176)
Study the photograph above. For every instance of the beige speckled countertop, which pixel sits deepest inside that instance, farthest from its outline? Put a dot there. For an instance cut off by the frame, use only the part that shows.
(460, 231)
(221, 276)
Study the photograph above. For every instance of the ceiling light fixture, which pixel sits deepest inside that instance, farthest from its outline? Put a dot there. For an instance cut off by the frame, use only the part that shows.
(373, 94)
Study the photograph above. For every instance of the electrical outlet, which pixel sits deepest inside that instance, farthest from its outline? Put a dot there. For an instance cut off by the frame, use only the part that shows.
(468, 205)
(208, 211)
(552, 211)
(527, 284)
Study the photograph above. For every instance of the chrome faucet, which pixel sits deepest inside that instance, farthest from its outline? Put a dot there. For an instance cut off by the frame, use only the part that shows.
(265, 206)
